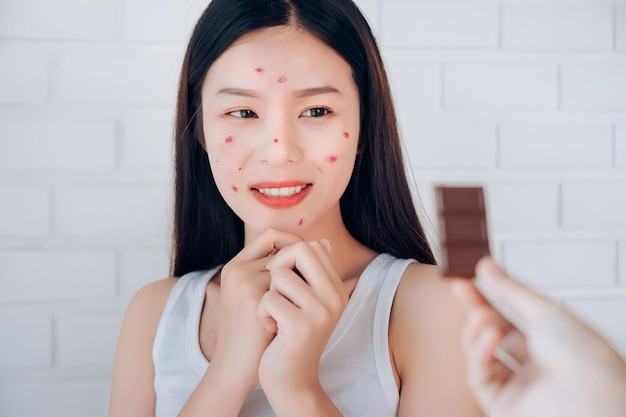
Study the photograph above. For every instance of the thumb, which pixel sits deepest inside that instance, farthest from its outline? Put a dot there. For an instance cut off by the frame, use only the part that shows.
(517, 303)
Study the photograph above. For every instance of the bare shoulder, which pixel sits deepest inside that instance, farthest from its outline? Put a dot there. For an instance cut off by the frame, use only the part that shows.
(422, 289)
(151, 298)
(425, 342)
(424, 310)
(132, 390)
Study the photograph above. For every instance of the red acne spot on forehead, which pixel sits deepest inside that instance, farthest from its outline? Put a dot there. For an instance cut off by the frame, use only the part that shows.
(259, 70)
(235, 189)
(332, 159)
(282, 80)
(346, 135)
(275, 140)
(228, 139)
(300, 222)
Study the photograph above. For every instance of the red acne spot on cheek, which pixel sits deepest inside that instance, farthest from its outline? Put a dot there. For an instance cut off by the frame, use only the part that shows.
(239, 169)
(332, 159)
(259, 70)
(282, 80)
(275, 140)
(234, 188)
(300, 222)
(346, 135)
(228, 139)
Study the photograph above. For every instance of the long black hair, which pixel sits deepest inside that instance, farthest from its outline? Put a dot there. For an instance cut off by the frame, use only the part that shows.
(376, 206)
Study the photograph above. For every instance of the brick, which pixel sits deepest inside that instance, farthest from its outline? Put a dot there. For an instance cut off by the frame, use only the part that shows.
(23, 77)
(428, 145)
(76, 398)
(88, 340)
(61, 146)
(555, 145)
(594, 204)
(606, 315)
(138, 268)
(161, 20)
(523, 206)
(129, 77)
(147, 146)
(107, 211)
(594, 86)
(500, 85)
(620, 37)
(56, 275)
(24, 211)
(61, 19)
(431, 25)
(620, 145)
(561, 264)
(415, 84)
(622, 262)
(26, 342)
(582, 27)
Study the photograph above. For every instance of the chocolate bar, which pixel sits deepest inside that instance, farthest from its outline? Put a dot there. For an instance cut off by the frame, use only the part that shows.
(462, 229)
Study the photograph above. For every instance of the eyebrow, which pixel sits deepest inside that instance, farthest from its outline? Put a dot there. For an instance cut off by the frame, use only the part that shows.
(305, 92)
(308, 92)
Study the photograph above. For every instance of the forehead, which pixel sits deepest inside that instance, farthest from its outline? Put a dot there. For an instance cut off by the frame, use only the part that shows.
(280, 52)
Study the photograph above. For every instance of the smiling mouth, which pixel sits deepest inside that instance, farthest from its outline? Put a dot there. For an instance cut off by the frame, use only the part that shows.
(282, 191)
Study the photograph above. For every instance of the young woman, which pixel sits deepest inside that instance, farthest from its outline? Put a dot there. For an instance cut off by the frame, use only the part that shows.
(305, 283)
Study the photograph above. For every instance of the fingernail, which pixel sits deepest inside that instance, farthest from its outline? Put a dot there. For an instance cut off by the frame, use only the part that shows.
(488, 269)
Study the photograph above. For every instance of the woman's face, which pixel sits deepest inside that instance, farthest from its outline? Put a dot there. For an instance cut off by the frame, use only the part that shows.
(281, 123)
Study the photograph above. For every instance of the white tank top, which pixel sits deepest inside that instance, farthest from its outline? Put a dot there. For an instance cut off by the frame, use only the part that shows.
(355, 368)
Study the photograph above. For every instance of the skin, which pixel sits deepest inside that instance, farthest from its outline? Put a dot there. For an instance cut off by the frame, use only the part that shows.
(314, 114)
(565, 368)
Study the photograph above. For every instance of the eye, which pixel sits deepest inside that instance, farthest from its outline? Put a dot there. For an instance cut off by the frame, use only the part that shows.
(316, 112)
(243, 114)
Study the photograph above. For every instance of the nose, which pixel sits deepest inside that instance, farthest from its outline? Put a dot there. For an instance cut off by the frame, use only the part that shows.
(279, 142)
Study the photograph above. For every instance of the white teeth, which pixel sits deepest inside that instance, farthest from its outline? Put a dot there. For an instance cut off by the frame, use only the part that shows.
(283, 191)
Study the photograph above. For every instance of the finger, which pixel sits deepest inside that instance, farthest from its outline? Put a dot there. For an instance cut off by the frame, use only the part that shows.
(465, 291)
(514, 345)
(265, 244)
(486, 374)
(483, 316)
(277, 308)
(517, 303)
(324, 255)
(288, 284)
(246, 278)
(303, 256)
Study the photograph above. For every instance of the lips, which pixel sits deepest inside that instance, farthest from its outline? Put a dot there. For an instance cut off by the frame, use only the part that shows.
(281, 195)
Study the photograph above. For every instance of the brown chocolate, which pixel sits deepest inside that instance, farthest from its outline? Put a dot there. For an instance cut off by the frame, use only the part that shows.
(463, 233)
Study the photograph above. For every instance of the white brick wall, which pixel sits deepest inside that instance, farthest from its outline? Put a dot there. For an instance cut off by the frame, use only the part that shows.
(26, 146)
(524, 97)
(577, 27)
(499, 85)
(23, 77)
(582, 91)
(61, 19)
(24, 211)
(543, 145)
(621, 28)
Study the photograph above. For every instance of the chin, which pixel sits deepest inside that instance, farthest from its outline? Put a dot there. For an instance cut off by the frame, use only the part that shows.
(284, 225)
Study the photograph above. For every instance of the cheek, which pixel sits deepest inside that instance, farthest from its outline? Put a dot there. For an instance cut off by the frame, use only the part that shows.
(227, 154)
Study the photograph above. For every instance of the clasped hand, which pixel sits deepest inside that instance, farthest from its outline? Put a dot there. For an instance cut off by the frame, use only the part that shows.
(280, 300)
